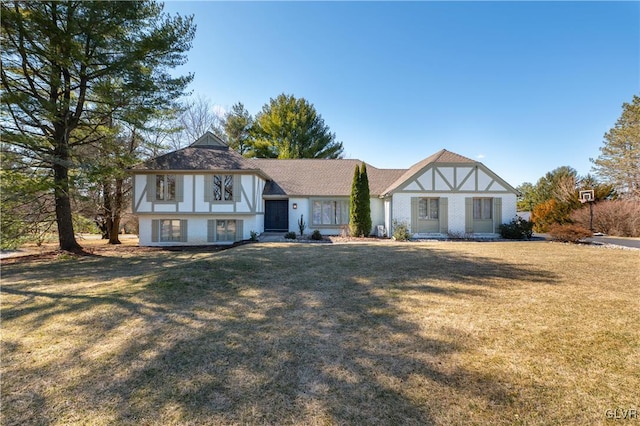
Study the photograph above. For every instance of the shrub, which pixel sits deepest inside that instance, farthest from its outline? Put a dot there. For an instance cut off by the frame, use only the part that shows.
(316, 235)
(568, 233)
(613, 217)
(549, 213)
(290, 235)
(400, 231)
(254, 235)
(517, 229)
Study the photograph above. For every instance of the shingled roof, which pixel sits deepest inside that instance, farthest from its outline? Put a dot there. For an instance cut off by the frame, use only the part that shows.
(317, 177)
(297, 177)
(208, 153)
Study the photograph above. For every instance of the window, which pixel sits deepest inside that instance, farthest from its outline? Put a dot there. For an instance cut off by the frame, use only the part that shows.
(482, 208)
(170, 230)
(220, 188)
(428, 208)
(166, 187)
(223, 188)
(225, 230)
(330, 212)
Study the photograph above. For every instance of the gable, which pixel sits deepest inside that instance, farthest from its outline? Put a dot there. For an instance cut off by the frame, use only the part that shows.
(210, 140)
(443, 177)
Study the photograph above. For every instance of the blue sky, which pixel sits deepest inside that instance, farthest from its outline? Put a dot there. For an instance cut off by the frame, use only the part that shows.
(524, 87)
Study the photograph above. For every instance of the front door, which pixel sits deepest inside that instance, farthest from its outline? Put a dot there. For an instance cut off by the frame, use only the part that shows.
(276, 215)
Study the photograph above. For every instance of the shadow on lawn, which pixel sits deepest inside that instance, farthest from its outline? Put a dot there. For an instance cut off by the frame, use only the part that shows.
(231, 339)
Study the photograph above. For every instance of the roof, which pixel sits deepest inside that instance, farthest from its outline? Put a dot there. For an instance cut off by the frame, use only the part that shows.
(443, 157)
(207, 153)
(296, 177)
(320, 177)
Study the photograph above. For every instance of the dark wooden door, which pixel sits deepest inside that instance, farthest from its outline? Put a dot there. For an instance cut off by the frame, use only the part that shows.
(276, 215)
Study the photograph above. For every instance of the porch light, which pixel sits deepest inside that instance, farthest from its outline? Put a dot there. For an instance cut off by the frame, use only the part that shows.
(295, 206)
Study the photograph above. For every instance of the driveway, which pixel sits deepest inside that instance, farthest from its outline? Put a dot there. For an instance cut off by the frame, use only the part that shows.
(625, 242)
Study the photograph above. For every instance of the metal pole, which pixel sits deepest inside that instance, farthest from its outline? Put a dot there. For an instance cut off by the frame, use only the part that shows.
(591, 216)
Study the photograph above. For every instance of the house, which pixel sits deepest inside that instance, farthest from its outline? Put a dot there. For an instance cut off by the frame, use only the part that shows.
(209, 194)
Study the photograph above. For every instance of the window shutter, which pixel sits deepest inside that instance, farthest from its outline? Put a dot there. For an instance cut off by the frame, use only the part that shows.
(497, 214)
(239, 231)
(414, 214)
(443, 214)
(237, 188)
(208, 188)
(151, 188)
(211, 230)
(183, 230)
(179, 188)
(155, 230)
(468, 215)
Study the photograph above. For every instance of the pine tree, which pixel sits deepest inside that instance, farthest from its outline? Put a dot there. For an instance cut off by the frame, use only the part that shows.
(288, 127)
(619, 161)
(57, 60)
(237, 126)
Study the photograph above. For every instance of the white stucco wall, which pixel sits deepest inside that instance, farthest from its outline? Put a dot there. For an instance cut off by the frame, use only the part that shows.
(377, 214)
(401, 207)
(509, 209)
(302, 208)
(196, 228)
(387, 216)
(401, 211)
(251, 187)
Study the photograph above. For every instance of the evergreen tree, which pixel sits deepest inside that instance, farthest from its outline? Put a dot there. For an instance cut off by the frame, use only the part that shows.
(354, 204)
(292, 128)
(57, 60)
(619, 161)
(237, 126)
(360, 204)
(365, 202)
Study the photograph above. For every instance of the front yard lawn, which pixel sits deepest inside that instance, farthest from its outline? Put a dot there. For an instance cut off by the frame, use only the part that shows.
(393, 333)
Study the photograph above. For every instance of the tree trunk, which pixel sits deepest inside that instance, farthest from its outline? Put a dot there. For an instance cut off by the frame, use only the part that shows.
(113, 232)
(115, 213)
(101, 223)
(66, 235)
(106, 201)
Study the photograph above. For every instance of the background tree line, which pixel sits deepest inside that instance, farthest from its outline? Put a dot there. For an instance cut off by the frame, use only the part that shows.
(554, 198)
(88, 91)
(285, 127)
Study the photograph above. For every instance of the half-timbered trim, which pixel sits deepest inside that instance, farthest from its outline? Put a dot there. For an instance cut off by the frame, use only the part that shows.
(209, 194)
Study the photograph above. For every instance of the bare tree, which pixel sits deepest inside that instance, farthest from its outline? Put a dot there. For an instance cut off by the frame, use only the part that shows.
(197, 117)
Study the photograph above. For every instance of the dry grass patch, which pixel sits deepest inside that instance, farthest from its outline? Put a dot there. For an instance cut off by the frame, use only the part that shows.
(414, 333)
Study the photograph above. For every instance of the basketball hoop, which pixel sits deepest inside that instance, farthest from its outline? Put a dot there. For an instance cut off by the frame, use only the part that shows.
(587, 196)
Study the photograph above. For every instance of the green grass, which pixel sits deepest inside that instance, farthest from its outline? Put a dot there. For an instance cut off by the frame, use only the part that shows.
(394, 333)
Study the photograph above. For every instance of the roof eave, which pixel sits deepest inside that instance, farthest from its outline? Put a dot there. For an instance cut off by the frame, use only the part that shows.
(258, 172)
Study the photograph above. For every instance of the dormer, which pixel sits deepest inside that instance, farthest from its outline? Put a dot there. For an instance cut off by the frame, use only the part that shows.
(209, 140)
